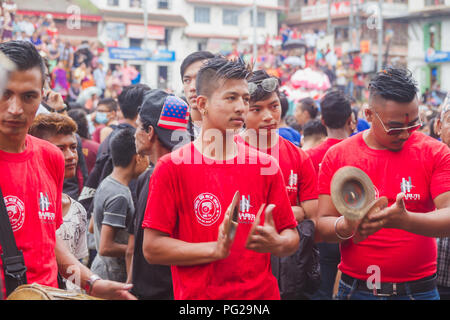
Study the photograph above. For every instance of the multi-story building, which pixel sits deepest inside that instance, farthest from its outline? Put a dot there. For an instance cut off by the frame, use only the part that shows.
(178, 27)
(428, 46)
(76, 20)
(353, 25)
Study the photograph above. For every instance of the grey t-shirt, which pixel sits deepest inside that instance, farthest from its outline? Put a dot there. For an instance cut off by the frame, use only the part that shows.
(113, 206)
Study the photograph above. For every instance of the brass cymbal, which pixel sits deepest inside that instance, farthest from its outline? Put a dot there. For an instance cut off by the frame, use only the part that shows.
(352, 192)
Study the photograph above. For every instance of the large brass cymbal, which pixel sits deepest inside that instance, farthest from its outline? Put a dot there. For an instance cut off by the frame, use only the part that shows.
(352, 192)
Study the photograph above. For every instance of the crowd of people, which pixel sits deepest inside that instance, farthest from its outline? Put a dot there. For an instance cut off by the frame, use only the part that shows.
(217, 195)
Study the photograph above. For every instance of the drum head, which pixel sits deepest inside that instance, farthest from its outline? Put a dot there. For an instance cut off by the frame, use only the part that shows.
(352, 192)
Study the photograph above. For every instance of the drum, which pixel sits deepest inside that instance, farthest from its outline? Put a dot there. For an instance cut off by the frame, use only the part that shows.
(39, 292)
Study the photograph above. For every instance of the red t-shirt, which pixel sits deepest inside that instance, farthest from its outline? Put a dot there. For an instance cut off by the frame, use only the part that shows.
(32, 183)
(298, 172)
(90, 149)
(421, 170)
(188, 197)
(317, 153)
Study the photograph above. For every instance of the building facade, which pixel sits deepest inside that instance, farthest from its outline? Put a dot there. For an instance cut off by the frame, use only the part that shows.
(353, 25)
(177, 28)
(429, 46)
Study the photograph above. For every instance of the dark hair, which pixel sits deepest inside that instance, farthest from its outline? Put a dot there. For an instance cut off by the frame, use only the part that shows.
(193, 58)
(336, 109)
(79, 116)
(433, 134)
(314, 127)
(24, 55)
(394, 84)
(220, 68)
(309, 105)
(110, 103)
(130, 99)
(284, 105)
(50, 124)
(355, 111)
(123, 148)
(260, 94)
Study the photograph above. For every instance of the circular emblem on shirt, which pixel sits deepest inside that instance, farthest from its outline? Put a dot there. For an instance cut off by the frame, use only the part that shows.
(207, 209)
(16, 212)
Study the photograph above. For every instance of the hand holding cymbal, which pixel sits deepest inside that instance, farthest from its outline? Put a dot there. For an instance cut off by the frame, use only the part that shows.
(232, 216)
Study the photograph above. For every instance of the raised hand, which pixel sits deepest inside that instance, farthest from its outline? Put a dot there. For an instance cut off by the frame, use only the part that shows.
(264, 239)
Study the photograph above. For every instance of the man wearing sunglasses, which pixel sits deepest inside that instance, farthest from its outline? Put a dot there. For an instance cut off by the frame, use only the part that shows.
(385, 255)
(262, 122)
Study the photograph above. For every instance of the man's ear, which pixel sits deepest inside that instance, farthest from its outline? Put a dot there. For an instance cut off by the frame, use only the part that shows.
(438, 126)
(202, 101)
(151, 134)
(369, 114)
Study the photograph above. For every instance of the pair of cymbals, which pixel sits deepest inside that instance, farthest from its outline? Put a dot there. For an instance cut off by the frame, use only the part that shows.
(353, 193)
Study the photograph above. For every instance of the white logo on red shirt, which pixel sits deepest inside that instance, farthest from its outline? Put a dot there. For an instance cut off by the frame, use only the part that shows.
(244, 211)
(44, 206)
(406, 187)
(16, 212)
(207, 209)
(293, 179)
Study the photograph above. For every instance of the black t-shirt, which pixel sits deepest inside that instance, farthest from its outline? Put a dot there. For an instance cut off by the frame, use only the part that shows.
(150, 281)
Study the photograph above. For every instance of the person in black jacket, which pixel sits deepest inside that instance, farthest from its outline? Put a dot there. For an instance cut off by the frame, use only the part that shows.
(150, 281)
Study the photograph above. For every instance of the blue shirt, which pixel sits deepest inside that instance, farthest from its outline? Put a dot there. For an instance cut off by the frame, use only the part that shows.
(290, 134)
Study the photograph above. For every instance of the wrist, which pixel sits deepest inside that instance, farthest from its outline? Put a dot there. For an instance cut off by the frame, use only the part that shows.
(343, 229)
(90, 283)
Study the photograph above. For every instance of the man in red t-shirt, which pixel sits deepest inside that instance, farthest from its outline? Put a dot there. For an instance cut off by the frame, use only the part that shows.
(337, 117)
(387, 258)
(263, 119)
(190, 191)
(31, 178)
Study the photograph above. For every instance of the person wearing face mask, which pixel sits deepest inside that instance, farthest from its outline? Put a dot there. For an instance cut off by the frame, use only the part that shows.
(106, 118)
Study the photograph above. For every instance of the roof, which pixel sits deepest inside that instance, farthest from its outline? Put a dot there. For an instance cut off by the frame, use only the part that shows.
(165, 20)
(432, 12)
(234, 4)
(59, 8)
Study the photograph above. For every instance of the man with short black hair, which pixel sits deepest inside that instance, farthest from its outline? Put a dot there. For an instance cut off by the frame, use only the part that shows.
(114, 207)
(338, 120)
(106, 116)
(314, 133)
(295, 273)
(32, 173)
(186, 217)
(189, 69)
(411, 170)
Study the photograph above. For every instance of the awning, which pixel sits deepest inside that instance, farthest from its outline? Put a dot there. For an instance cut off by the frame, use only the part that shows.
(213, 36)
(164, 20)
(236, 4)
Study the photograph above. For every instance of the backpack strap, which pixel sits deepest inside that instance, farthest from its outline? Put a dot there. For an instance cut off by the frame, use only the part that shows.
(13, 262)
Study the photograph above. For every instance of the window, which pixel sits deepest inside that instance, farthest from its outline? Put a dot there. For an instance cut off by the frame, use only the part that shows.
(135, 43)
(113, 3)
(162, 77)
(201, 14)
(434, 2)
(230, 17)
(261, 19)
(163, 4)
(135, 4)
